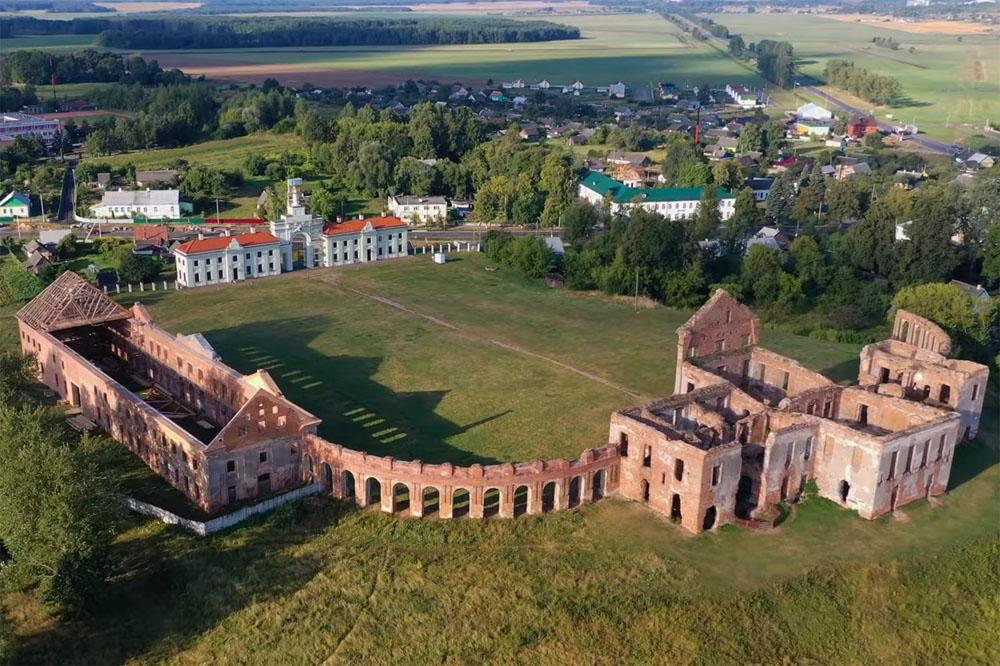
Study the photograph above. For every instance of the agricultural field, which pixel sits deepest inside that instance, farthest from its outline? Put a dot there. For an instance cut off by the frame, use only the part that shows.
(221, 154)
(952, 87)
(319, 581)
(638, 49)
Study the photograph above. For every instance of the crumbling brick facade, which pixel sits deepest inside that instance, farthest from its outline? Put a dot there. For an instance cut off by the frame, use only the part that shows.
(749, 428)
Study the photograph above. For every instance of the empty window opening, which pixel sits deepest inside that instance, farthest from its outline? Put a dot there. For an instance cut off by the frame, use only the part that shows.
(884, 375)
(430, 501)
(400, 498)
(623, 444)
(574, 491)
(373, 492)
(675, 508)
(809, 448)
(788, 454)
(909, 460)
(678, 469)
(923, 454)
(491, 503)
(597, 486)
(940, 448)
(784, 380)
(520, 501)
(460, 503)
(690, 387)
(647, 456)
(975, 391)
(716, 474)
(549, 497)
(863, 414)
(230, 465)
(945, 394)
(892, 465)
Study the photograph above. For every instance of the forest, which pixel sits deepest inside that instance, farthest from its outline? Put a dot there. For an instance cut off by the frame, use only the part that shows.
(217, 32)
(869, 86)
(88, 66)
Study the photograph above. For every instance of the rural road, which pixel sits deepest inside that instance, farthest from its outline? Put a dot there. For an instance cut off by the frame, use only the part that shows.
(67, 199)
(931, 145)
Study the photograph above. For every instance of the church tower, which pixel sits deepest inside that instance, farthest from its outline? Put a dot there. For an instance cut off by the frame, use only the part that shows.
(300, 232)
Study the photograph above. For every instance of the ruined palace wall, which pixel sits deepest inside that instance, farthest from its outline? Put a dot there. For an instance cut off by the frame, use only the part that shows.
(571, 482)
(721, 324)
(165, 447)
(920, 332)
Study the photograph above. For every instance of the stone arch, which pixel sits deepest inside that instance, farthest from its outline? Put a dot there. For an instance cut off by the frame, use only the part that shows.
(522, 500)
(549, 493)
(644, 489)
(675, 508)
(710, 516)
(597, 485)
(461, 502)
(373, 491)
(346, 485)
(492, 498)
(301, 250)
(400, 498)
(430, 501)
(326, 476)
(575, 490)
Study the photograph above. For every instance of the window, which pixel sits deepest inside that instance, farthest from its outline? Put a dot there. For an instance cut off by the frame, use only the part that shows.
(678, 469)
(623, 443)
(788, 454)
(892, 465)
(940, 448)
(863, 414)
(720, 345)
(909, 460)
(230, 465)
(647, 456)
(809, 448)
(263, 456)
(784, 381)
(923, 455)
(716, 474)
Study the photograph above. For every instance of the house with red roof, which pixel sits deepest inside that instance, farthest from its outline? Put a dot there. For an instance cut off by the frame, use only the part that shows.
(859, 127)
(227, 258)
(362, 241)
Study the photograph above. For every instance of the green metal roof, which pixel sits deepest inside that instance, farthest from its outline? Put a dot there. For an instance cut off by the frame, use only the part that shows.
(621, 193)
(15, 198)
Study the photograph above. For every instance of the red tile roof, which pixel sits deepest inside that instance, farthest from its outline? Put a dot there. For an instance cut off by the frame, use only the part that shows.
(221, 242)
(152, 232)
(354, 226)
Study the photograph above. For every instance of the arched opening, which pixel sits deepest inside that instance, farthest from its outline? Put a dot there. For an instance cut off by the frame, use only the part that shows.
(307, 474)
(520, 501)
(491, 502)
(744, 497)
(904, 331)
(597, 491)
(373, 491)
(845, 490)
(347, 485)
(326, 475)
(460, 503)
(400, 498)
(549, 497)
(675, 508)
(709, 521)
(300, 252)
(431, 501)
(574, 491)
(644, 487)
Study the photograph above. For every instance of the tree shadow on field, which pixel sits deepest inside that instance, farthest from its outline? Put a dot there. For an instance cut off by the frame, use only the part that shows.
(975, 457)
(169, 587)
(357, 411)
(907, 102)
(843, 371)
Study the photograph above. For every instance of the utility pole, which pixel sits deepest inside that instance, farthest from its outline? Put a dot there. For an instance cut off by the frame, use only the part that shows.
(636, 289)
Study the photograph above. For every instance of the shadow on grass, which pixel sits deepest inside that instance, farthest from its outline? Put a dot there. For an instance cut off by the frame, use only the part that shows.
(357, 411)
(843, 371)
(975, 457)
(169, 587)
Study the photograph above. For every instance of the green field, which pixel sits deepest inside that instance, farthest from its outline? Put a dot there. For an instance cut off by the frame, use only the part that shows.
(952, 87)
(319, 582)
(222, 154)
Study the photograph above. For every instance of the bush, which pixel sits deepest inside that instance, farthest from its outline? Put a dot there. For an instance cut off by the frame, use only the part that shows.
(17, 285)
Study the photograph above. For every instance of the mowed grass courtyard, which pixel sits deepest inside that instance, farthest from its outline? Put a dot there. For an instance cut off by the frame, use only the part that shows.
(462, 364)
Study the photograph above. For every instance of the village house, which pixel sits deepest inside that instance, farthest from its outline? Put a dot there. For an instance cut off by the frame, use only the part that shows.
(748, 428)
(214, 434)
(617, 90)
(761, 187)
(155, 178)
(743, 96)
(674, 203)
(858, 128)
(15, 204)
(811, 111)
(413, 209)
(138, 203)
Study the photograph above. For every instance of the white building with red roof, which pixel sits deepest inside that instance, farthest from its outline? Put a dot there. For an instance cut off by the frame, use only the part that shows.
(227, 258)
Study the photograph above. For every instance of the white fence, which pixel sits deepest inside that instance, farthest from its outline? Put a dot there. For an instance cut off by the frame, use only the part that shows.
(129, 288)
(450, 246)
(227, 520)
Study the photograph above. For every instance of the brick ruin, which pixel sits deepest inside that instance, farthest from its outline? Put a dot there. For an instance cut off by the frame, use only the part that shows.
(746, 428)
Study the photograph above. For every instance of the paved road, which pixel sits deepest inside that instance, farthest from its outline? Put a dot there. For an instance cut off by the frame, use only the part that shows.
(925, 142)
(68, 198)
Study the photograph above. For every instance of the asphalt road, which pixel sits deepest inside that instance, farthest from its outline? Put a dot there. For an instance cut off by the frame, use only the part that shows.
(68, 198)
(925, 142)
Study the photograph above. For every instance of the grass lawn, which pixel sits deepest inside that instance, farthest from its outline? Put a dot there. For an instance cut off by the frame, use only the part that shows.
(316, 581)
(945, 81)
(222, 154)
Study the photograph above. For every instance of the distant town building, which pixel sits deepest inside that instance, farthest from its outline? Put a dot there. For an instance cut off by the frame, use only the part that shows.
(158, 177)
(743, 96)
(132, 203)
(14, 125)
(810, 111)
(617, 90)
(15, 204)
(419, 209)
(761, 187)
(671, 202)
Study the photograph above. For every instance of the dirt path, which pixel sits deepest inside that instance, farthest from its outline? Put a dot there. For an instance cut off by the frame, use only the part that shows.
(517, 349)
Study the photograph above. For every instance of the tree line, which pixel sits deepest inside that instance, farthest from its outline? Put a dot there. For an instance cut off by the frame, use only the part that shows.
(863, 83)
(85, 66)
